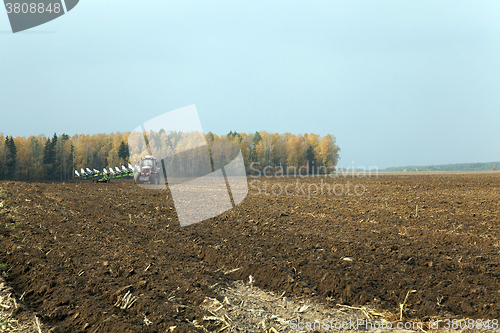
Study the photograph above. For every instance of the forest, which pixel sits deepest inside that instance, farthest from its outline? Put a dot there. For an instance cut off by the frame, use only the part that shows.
(56, 158)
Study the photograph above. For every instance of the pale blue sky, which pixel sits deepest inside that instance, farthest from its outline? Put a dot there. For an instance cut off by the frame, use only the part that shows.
(397, 82)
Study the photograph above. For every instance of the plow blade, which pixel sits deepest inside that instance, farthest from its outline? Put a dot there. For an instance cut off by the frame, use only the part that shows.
(106, 175)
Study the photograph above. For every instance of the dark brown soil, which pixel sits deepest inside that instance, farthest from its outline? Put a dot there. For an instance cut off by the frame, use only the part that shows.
(74, 249)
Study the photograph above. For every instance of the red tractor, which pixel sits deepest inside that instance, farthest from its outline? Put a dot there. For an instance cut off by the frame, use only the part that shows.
(149, 172)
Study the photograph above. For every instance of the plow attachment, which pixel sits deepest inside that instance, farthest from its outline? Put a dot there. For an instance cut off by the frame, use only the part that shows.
(106, 175)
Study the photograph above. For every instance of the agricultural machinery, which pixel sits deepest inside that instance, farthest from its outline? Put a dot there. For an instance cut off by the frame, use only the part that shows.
(107, 174)
(147, 172)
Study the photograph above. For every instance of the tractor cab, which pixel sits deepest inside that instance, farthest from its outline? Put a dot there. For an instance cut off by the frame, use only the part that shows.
(148, 162)
(148, 171)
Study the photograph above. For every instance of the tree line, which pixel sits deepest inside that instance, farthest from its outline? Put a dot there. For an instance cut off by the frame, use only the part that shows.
(447, 167)
(56, 157)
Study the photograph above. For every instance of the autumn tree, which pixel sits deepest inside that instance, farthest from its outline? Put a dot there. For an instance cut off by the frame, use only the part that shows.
(56, 158)
(63, 156)
(210, 137)
(29, 158)
(327, 152)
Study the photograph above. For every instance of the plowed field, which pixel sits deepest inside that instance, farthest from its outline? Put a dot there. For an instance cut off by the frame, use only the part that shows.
(74, 250)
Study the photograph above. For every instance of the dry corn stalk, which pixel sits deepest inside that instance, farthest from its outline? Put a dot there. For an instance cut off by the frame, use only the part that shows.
(126, 301)
(401, 306)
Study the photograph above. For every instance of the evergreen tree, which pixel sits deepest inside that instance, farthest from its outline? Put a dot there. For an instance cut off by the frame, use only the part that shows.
(72, 158)
(311, 158)
(49, 159)
(253, 152)
(55, 163)
(11, 160)
(257, 138)
(56, 157)
(5, 159)
(123, 152)
(3, 153)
